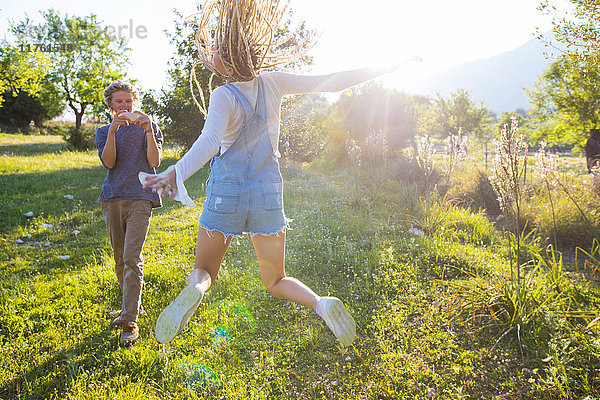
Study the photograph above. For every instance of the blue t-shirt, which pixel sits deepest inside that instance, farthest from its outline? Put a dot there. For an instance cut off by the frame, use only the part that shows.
(121, 182)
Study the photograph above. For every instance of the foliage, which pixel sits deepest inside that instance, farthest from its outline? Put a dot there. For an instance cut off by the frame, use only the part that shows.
(25, 92)
(20, 110)
(523, 121)
(508, 169)
(567, 95)
(368, 163)
(578, 30)
(424, 160)
(21, 71)
(89, 60)
(371, 106)
(303, 133)
(473, 190)
(445, 116)
(181, 120)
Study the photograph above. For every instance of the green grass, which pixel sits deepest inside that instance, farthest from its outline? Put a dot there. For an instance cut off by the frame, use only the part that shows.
(242, 343)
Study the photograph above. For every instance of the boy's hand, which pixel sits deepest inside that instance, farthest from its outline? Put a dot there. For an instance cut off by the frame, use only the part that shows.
(144, 121)
(118, 121)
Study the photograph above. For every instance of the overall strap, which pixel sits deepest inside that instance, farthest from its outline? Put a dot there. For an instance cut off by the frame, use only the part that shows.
(248, 109)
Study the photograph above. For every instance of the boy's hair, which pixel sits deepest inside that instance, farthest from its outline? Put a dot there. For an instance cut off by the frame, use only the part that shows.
(118, 86)
(247, 37)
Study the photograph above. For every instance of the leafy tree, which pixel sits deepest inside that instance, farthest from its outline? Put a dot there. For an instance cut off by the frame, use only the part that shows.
(85, 58)
(522, 119)
(373, 107)
(22, 79)
(445, 116)
(568, 96)
(21, 71)
(174, 105)
(578, 30)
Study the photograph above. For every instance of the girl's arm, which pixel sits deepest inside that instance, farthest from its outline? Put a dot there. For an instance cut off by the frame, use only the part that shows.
(204, 148)
(293, 84)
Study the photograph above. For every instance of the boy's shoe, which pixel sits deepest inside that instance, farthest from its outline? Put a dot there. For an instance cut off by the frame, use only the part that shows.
(117, 320)
(337, 318)
(174, 317)
(130, 334)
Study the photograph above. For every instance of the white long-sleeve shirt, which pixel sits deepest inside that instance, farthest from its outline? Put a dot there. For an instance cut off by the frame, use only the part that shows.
(225, 115)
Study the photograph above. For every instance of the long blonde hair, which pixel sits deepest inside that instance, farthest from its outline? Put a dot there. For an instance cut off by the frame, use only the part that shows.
(244, 34)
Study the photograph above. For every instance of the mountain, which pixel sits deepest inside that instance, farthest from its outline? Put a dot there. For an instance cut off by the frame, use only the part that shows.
(498, 81)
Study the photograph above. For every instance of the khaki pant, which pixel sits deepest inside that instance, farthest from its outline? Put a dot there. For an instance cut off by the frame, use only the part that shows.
(127, 224)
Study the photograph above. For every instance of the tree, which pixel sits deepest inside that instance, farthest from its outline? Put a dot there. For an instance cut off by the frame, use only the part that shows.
(85, 58)
(578, 30)
(22, 81)
(445, 116)
(174, 105)
(566, 95)
(21, 71)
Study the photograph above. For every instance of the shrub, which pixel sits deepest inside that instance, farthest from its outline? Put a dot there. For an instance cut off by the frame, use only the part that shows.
(474, 191)
(82, 139)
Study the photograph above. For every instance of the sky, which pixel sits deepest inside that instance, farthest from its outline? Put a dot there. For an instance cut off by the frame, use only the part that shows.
(352, 33)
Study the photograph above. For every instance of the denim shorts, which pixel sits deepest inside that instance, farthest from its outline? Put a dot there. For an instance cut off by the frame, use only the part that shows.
(234, 207)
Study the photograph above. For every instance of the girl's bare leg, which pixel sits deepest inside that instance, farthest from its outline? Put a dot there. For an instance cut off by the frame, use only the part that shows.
(270, 251)
(210, 250)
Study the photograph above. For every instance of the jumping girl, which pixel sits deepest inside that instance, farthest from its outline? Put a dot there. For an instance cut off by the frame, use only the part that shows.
(244, 193)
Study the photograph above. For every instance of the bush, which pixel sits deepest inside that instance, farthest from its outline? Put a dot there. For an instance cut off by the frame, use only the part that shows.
(408, 170)
(82, 139)
(60, 128)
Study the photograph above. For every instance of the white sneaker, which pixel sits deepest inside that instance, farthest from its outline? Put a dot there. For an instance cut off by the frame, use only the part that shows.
(175, 316)
(338, 319)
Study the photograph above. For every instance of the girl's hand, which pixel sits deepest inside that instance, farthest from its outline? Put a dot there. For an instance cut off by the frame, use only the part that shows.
(118, 121)
(407, 60)
(164, 183)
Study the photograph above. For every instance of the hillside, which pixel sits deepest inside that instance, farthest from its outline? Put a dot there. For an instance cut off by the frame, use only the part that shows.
(498, 80)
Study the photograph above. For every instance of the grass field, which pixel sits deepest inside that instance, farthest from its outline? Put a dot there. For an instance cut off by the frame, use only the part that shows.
(57, 286)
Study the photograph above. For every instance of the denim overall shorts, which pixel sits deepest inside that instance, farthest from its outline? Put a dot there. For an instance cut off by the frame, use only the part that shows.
(244, 193)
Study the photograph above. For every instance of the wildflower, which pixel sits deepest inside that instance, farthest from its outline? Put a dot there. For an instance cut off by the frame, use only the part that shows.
(416, 231)
(354, 151)
(65, 257)
(28, 214)
(507, 165)
(47, 226)
(75, 232)
(547, 165)
(68, 197)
